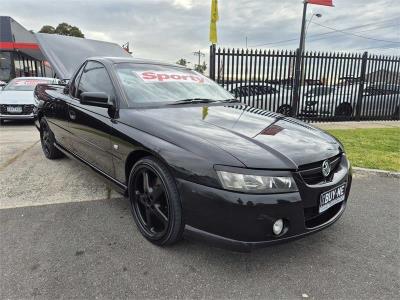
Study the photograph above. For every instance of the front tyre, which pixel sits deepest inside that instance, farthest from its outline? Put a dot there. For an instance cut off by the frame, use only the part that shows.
(47, 140)
(155, 202)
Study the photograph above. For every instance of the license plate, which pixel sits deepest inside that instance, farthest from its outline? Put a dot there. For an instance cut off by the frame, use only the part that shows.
(332, 197)
(14, 109)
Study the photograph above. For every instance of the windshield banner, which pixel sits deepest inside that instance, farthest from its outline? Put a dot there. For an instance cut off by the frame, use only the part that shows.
(29, 82)
(163, 76)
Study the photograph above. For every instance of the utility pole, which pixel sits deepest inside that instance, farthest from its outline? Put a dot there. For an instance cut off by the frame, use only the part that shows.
(300, 51)
(199, 54)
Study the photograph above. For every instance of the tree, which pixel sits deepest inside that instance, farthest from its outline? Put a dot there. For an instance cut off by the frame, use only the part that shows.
(182, 62)
(75, 31)
(47, 29)
(63, 29)
(201, 68)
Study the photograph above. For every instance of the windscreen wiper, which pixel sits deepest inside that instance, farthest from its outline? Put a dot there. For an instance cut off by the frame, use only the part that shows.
(193, 101)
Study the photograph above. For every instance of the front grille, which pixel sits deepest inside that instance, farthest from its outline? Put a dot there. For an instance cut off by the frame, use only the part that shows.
(27, 109)
(312, 173)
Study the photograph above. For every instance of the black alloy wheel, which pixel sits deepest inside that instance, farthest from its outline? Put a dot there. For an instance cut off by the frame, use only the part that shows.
(155, 202)
(285, 110)
(47, 140)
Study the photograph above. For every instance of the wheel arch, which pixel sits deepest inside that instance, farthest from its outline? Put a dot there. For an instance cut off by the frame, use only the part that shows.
(136, 155)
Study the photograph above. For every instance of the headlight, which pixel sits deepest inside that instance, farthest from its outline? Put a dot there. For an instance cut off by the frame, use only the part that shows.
(256, 183)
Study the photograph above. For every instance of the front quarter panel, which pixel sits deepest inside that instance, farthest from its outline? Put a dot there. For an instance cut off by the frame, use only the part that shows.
(182, 163)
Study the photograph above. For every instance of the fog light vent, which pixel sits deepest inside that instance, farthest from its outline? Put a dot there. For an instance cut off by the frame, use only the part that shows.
(277, 228)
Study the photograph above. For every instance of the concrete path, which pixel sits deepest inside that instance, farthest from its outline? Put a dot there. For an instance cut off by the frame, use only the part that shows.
(355, 125)
(27, 178)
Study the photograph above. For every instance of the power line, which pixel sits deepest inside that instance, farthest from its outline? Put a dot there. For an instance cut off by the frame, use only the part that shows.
(378, 28)
(326, 33)
(333, 32)
(199, 54)
(354, 34)
(382, 47)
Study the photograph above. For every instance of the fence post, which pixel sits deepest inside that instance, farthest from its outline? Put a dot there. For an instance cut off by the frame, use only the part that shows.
(212, 62)
(297, 82)
(361, 87)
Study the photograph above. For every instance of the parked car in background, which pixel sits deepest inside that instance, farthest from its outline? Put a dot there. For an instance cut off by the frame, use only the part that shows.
(17, 100)
(341, 101)
(275, 98)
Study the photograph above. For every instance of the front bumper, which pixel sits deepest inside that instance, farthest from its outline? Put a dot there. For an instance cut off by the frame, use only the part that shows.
(17, 117)
(243, 222)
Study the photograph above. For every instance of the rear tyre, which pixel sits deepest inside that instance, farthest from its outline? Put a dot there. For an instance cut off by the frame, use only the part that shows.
(1, 121)
(285, 110)
(47, 140)
(155, 202)
(344, 110)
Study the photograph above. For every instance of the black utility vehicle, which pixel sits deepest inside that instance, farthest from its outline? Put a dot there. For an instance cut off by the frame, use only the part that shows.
(193, 160)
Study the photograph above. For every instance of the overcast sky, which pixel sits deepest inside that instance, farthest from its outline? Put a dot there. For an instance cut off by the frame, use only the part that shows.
(171, 29)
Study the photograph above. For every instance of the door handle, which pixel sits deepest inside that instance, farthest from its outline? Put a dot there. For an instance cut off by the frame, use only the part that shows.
(72, 114)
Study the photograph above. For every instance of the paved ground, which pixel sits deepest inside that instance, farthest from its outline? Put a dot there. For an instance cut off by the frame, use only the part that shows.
(28, 178)
(76, 248)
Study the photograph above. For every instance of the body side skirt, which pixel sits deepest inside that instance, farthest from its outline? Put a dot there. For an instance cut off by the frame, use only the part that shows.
(119, 185)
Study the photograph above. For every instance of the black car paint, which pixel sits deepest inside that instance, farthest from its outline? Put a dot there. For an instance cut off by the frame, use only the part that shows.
(192, 145)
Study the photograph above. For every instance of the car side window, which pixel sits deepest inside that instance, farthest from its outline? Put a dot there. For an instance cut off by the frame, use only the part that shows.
(95, 79)
(74, 85)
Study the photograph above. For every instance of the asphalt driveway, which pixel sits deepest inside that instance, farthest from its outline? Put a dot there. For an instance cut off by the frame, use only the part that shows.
(65, 234)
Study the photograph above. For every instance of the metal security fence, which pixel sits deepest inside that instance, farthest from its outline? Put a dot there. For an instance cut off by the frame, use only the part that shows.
(333, 86)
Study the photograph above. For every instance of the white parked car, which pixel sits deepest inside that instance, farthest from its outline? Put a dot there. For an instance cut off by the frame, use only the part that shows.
(328, 101)
(17, 100)
(269, 97)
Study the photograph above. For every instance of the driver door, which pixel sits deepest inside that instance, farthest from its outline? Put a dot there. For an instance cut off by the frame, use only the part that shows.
(90, 126)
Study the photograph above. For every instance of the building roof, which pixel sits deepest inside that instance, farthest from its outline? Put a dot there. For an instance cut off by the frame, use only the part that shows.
(14, 37)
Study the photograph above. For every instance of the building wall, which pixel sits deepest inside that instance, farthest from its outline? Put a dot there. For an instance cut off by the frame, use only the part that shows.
(20, 54)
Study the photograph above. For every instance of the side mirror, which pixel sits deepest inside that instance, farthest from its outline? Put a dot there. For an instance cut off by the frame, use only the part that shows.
(99, 99)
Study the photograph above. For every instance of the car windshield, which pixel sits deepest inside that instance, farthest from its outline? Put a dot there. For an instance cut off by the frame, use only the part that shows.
(25, 84)
(148, 84)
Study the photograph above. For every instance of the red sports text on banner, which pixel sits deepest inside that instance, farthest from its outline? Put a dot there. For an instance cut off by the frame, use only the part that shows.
(31, 82)
(321, 2)
(154, 76)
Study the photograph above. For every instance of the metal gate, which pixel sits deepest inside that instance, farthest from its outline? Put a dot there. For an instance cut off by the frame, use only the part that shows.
(333, 86)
